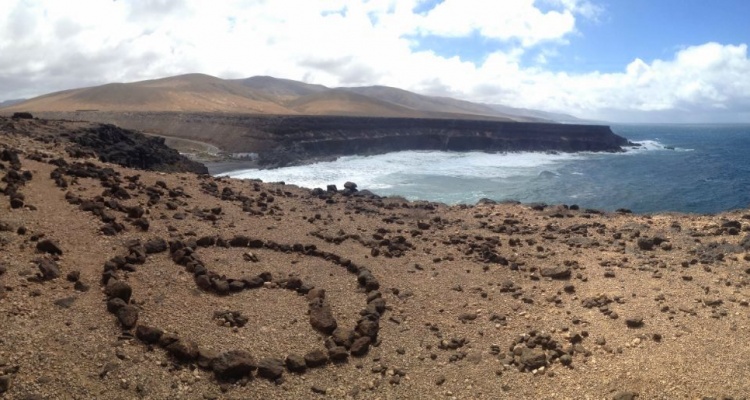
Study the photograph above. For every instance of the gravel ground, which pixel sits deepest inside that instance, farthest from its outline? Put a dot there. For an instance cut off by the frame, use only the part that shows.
(480, 302)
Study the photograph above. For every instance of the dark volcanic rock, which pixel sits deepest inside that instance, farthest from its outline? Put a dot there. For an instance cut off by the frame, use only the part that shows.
(316, 358)
(183, 350)
(49, 246)
(625, 396)
(128, 316)
(338, 353)
(556, 272)
(4, 383)
(65, 302)
(295, 363)
(133, 149)
(361, 346)
(148, 334)
(533, 358)
(115, 304)
(321, 316)
(634, 322)
(233, 364)
(157, 245)
(48, 269)
(119, 289)
(270, 368)
(302, 138)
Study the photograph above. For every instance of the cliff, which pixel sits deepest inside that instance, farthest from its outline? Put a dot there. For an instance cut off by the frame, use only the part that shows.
(303, 138)
(288, 140)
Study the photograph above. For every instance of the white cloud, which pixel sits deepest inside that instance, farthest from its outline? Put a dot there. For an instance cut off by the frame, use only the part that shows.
(48, 45)
(503, 20)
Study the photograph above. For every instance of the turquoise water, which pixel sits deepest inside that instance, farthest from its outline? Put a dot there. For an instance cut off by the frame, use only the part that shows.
(682, 168)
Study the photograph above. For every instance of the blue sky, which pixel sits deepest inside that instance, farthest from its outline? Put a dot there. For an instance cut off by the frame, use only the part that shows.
(615, 60)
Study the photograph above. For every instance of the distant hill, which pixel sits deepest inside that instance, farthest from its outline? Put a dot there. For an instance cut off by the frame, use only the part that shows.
(8, 103)
(268, 95)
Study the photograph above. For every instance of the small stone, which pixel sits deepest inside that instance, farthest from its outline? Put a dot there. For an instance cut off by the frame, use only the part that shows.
(49, 246)
(4, 383)
(65, 302)
(128, 316)
(440, 380)
(361, 346)
(183, 350)
(625, 396)
(634, 322)
(338, 353)
(295, 363)
(556, 272)
(319, 389)
(147, 334)
(118, 289)
(316, 358)
(270, 368)
(469, 316)
(321, 316)
(533, 358)
(81, 287)
(115, 304)
(73, 276)
(157, 245)
(48, 269)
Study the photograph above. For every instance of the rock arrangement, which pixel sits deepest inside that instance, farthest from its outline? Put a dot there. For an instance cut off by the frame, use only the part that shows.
(234, 364)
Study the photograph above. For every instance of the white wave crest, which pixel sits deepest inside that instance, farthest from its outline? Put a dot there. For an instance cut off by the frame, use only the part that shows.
(399, 169)
(652, 145)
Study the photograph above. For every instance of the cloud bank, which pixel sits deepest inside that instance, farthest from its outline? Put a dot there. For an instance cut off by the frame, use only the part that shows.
(48, 45)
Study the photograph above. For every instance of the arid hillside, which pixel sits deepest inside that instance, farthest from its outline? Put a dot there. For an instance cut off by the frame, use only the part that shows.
(199, 93)
(126, 283)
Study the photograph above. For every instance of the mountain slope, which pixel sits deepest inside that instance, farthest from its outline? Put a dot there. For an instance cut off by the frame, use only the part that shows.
(266, 95)
(193, 92)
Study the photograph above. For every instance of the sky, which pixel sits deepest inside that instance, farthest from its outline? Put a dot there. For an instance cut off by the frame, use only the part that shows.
(612, 60)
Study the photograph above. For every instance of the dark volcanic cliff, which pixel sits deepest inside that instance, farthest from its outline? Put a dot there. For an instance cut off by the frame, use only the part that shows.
(286, 140)
(303, 138)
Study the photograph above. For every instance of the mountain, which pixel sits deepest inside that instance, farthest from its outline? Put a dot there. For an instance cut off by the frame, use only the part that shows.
(8, 103)
(193, 92)
(267, 95)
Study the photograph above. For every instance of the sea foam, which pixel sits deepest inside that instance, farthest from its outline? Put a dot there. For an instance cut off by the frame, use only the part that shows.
(400, 168)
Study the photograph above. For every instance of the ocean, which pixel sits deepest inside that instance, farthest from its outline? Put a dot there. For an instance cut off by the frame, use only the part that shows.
(678, 168)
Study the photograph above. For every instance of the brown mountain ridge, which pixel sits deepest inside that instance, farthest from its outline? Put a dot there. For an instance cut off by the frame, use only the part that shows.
(265, 95)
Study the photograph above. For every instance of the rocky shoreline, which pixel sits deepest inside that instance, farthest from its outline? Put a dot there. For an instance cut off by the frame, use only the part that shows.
(285, 140)
(118, 282)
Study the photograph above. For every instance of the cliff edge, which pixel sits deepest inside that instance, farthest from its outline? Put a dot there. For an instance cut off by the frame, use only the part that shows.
(282, 140)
